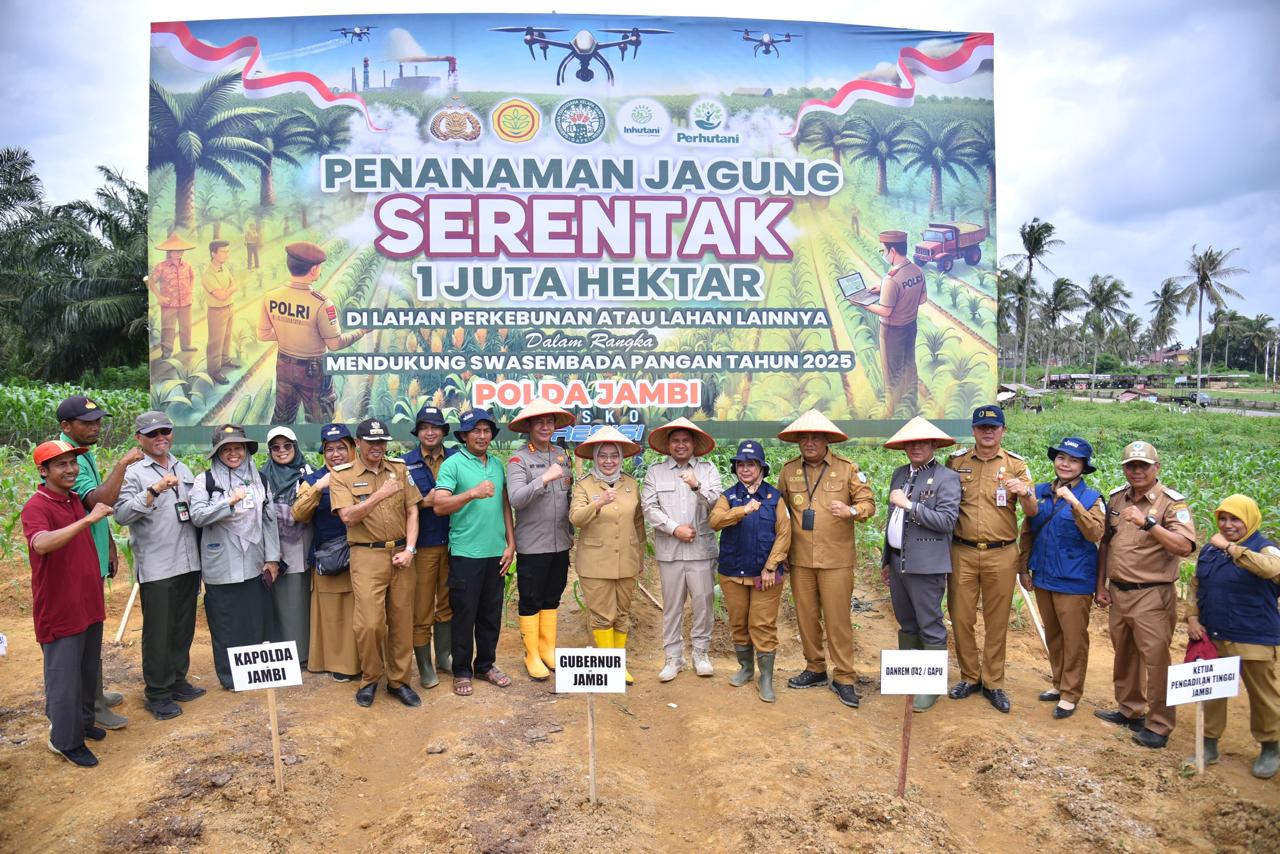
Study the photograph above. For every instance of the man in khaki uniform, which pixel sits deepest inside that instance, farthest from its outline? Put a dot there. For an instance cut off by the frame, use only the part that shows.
(901, 294)
(219, 294)
(378, 502)
(305, 323)
(994, 482)
(825, 495)
(1149, 530)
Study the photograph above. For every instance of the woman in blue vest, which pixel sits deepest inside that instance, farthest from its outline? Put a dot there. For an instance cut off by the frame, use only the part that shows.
(1060, 550)
(755, 535)
(1233, 602)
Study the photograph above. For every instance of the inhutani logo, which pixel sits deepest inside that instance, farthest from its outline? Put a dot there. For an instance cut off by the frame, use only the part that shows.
(643, 121)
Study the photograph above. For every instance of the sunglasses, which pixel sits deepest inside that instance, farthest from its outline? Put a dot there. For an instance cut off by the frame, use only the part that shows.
(161, 431)
(280, 446)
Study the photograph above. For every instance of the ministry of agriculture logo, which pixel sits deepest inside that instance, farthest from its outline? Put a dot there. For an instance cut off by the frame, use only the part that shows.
(580, 121)
(515, 120)
(643, 121)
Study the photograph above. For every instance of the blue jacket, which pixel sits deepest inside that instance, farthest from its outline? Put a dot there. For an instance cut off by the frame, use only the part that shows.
(1236, 605)
(433, 530)
(326, 522)
(1062, 560)
(744, 547)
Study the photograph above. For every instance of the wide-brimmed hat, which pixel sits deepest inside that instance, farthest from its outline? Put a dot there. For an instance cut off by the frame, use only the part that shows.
(46, 451)
(536, 408)
(229, 434)
(430, 415)
(749, 450)
(606, 435)
(470, 419)
(660, 439)
(919, 429)
(1074, 446)
(173, 241)
(812, 421)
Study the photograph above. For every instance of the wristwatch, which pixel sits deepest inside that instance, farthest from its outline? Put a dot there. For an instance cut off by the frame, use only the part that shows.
(1150, 523)
(413, 550)
(153, 492)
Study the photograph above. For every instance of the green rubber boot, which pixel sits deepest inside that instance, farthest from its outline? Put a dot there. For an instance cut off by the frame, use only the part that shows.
(924, 702)
(442, 637)
(906, 640)
(746, 665)
(1268, 761)
(426, 673)
(764, 685)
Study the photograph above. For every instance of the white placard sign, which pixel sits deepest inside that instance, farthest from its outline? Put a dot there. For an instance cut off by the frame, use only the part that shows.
(591, 671)
(1203, 680)
(265, 665)
(913, 671)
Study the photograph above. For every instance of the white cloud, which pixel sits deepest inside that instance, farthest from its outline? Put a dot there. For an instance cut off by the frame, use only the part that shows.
(400, 44)
(884, 72)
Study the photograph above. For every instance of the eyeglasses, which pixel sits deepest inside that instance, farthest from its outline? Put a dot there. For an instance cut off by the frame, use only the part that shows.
(280, 446)
(159, 431)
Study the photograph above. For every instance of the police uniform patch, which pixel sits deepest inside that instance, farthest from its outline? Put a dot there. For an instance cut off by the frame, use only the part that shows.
(331, 312)
(1183, 516)
(513, 460)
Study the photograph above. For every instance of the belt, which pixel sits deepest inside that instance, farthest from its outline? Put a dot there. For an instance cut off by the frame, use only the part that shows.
(297, 360)
(982, 547)
(1132, 585)
(389, 544)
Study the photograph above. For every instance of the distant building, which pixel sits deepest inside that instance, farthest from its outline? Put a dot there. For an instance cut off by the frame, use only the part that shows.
(753, 92)
(1170, 357)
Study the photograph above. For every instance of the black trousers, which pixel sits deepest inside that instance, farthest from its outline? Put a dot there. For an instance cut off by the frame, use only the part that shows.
(541, 579)
(239, 615)
(72, 667)
(168, 626)
(475, 595)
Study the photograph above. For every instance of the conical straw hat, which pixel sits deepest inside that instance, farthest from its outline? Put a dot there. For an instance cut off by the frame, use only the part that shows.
(520, 424)
(660, 439)
(608, 434)
(917, 429)
(173, 241)
(812, 421)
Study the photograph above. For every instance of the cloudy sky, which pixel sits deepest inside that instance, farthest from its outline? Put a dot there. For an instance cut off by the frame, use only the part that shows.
(1136, 128)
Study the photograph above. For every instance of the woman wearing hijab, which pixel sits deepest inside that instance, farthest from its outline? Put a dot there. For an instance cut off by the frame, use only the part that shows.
(239, 546)
(333, 638)
(291, 594)
(606, 511)
(1233, 602)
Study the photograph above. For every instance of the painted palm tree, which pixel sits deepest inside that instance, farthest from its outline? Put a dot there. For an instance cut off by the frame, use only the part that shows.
(202, 132)
(822, 132)
(210, 211)
(947, 150)
(1164, 305)
(1105, 298)
(983, 157)
(878, 142)
(1037, 242)
(278, 134)
(1063, 298)
(1204, 280)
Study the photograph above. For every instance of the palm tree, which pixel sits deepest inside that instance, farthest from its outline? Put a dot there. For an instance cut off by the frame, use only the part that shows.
(203, 132)
(1037, 242)
(277, 134)
(881, 143)
(1206, 270)
(941, 151)
(822, 132)
(1063, 298)
(1105, 298)
(1258, 337)
(984, 154)
(1165, 304)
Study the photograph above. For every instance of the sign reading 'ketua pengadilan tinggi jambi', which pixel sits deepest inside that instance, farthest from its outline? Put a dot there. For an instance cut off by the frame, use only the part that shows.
(636, 218)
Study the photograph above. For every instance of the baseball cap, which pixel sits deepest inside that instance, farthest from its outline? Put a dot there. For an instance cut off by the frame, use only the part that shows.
(282, 431)
(46, 451)
(80, 408)
(373, 430)
(429, 415)
(333, 432)
(151, 420)
(1139, 452)
(988, 415)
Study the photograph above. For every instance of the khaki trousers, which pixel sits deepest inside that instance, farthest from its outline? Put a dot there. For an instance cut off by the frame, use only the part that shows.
(383, 604)
(431, 592)
(823, 597)
(985, 576)
(753, 614)
(1066, 631)
(174, 321)
(609, 602)
(218, 344)
(1141, 624)
(1263, 684)
(696, 581)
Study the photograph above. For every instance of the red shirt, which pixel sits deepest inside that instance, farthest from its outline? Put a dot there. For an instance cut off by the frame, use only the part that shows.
(66, 587)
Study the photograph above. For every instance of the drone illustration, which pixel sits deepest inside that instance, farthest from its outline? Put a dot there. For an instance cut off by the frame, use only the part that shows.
(354, 34)
(767, 41)
(584, 48)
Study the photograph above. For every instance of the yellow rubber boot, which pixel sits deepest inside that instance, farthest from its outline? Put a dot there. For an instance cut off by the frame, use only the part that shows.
(620, 642)
(529, 634)
(547, 638)
(603, 637)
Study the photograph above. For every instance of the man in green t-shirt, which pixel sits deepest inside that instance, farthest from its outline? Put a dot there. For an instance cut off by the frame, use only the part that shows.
(81, 422)
(471, 491)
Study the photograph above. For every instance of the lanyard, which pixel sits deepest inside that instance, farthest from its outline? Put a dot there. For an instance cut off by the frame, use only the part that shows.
(812, 489)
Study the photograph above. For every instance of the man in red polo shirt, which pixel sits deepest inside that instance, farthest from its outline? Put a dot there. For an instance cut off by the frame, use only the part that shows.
(67, 603)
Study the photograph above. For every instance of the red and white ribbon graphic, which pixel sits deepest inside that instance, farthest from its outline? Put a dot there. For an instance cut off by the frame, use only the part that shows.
(200, 56)
(958, 65)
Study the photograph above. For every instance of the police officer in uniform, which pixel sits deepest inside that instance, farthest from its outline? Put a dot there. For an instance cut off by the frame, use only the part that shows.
(378, 502)
(994, 482)
(901, 294)
(1149, 531)
(825, 495)
(305, 323)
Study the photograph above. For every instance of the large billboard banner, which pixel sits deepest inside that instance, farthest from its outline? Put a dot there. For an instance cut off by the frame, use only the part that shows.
(636, 218)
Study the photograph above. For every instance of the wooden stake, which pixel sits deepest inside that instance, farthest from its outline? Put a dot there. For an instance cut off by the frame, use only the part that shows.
(275, 739)
(906, 746)
(655, 602)
(1035, 615)
(128, 609)
(591, 746)
(1200, 737)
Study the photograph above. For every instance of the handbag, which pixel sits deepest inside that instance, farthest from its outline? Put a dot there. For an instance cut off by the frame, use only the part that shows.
(333, 557)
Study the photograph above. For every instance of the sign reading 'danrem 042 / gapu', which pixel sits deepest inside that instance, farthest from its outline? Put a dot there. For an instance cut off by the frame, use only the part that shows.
(634, 217)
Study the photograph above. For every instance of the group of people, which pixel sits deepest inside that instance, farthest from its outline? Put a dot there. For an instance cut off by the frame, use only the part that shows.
(373, 565)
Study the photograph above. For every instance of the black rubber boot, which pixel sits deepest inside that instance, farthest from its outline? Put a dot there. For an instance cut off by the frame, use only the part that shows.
(764, 685)
(426, 672)
(746, 665)
(1268, 761)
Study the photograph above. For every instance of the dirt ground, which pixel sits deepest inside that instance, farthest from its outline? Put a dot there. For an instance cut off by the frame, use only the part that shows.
(693, 764)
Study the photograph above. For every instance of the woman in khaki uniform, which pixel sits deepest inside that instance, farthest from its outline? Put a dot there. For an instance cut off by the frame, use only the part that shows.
(606, 511)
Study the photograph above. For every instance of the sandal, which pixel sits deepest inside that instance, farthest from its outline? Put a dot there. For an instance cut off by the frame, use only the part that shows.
(497, 677)
(462, 686)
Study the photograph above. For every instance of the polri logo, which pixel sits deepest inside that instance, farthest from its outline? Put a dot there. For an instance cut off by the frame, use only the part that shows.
(707, 118)
(643, 121)
(580, 121)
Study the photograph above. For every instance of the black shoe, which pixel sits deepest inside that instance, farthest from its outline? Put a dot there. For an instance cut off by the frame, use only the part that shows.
(342, 677)
(231, 363)
(95, 733)
(1147, 738)
(81, 755)
(963, 689)
(406, 695)
(1119, 718)
(1060, 713)
(219, 379)
(998, 699)
(187, 692)
(162, 710)
(188, 349)
(847, 694)
(364, 697)
(807, 679)
(1050, 696)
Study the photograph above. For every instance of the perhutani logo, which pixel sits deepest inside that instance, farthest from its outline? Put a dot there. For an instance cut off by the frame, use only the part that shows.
(515, 120)
(643, 121)
(707, 116)
(580, 121)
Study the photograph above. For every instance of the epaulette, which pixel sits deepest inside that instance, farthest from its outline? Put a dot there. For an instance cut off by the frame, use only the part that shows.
(836, 456)
(1015, 456)
(1174, 494)
(959, 453)
(321, 297)
(342, 467)
(1118, 490)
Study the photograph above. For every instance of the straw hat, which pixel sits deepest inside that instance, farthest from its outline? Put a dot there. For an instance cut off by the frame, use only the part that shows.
(660, 439)
(536, 408)
(608, 434)
(173, 241)
(918, 429)
(812, 421)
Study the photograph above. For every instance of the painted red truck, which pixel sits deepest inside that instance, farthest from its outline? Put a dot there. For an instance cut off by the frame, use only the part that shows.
(943, 242)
